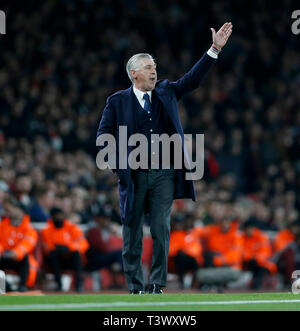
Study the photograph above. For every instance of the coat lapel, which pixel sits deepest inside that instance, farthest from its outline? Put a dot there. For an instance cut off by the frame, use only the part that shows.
(167, 102)
(128, 106)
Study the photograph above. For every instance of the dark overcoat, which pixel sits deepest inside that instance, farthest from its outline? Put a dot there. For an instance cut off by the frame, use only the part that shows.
(120, 111)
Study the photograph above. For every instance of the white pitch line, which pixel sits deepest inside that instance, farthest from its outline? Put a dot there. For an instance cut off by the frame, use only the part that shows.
(139, 304)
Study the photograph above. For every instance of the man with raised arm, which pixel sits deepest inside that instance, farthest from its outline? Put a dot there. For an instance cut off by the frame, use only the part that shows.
(149, 107)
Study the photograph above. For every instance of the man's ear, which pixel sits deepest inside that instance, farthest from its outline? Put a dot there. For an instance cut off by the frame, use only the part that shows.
(133, 74)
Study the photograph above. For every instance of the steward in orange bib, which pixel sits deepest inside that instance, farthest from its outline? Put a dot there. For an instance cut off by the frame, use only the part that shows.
(64, 244)
(285, 237)
(17, 242)
(284, 251)
(223, 244)
(257, 253)
(185, 251)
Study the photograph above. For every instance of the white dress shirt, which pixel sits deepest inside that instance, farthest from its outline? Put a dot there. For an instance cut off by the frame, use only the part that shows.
(212, 54)
(140, 95)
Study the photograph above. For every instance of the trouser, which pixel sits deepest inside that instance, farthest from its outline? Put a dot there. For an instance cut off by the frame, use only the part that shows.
(61, 261)
(209, 259)
(156, 189)
(104, 260)
(21, 267)
(258, 271)
(184, 263)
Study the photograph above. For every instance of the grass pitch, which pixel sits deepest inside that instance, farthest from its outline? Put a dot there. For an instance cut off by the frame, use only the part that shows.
(165, 302)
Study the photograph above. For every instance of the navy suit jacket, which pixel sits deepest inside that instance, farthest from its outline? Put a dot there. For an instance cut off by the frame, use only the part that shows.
(120, 111)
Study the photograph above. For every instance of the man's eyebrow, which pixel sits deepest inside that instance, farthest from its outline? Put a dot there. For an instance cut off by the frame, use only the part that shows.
(150, 65)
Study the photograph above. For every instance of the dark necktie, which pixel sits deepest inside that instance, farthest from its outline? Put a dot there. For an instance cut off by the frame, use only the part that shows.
(147, 105)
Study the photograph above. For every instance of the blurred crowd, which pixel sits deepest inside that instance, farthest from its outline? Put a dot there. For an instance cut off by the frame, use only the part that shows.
(60, 60)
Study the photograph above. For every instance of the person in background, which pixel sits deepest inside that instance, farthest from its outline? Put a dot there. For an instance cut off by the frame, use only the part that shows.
(3, 192)
(284, 253)
(100, 254)
(22, 188)
(223, 244)
(286, 236)
(79, 198)
(257, 252)
(64, 245)
(44, 201)
(17, 242)
(185, 251)
(289, 261)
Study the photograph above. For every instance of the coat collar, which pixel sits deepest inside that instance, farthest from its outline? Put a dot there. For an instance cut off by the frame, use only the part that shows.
(140, 95)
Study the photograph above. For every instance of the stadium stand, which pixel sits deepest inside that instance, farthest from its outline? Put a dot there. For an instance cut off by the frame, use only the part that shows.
(60, 60)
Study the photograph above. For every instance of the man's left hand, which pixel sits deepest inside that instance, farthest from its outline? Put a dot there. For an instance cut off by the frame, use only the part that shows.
(220, 38)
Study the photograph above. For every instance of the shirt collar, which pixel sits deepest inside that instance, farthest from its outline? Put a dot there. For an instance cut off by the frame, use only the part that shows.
(139, 94)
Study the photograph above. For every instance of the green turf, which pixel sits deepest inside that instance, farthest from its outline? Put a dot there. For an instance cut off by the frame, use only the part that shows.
(7, 301)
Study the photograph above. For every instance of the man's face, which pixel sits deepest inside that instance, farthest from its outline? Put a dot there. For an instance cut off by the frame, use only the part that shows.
(48, 199)
(58, 220)
(249, 231)
(145, 78)
(225, 225)
(13, 213)
(23, 184)
(218, 211)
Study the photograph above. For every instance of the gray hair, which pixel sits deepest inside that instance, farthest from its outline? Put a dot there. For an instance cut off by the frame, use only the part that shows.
(134, 63)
